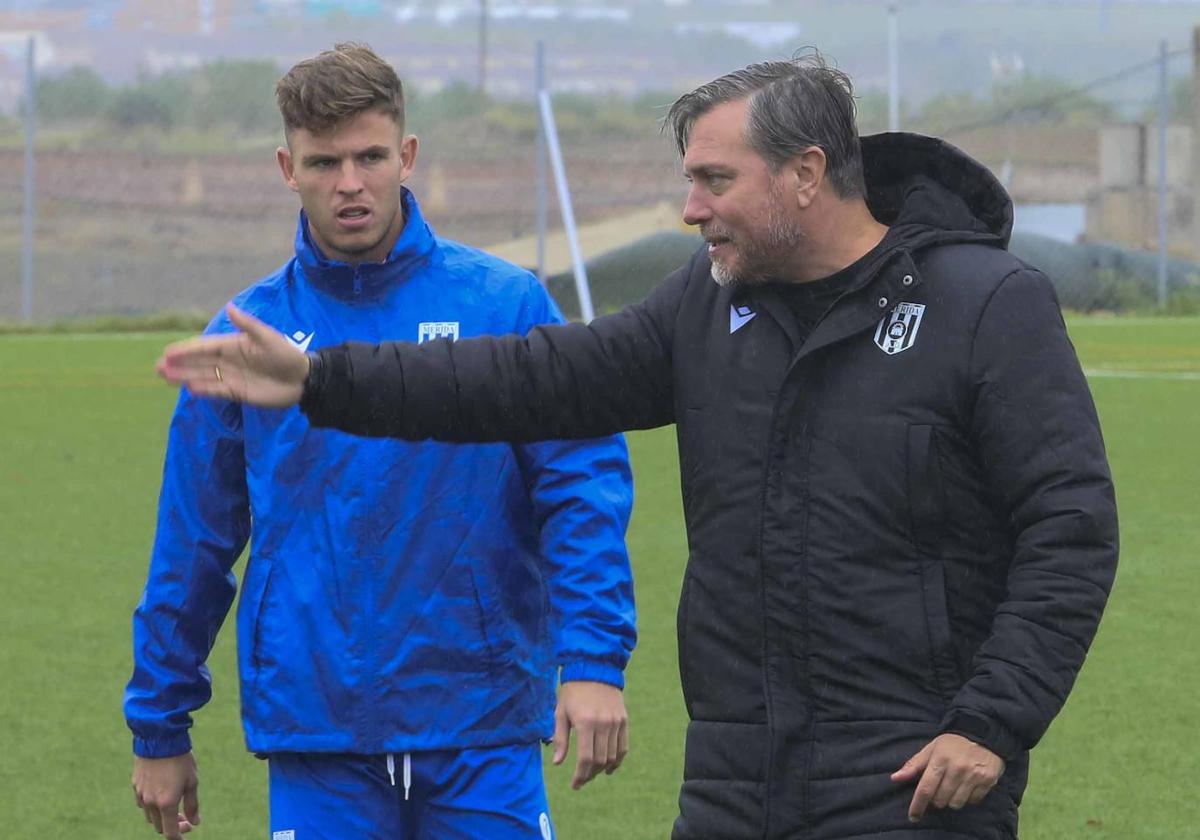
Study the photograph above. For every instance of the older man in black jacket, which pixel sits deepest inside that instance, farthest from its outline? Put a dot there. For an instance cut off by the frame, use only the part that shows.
(900, 516)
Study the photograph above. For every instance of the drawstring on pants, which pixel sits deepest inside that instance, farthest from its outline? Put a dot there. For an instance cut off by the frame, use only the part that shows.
(407, 772)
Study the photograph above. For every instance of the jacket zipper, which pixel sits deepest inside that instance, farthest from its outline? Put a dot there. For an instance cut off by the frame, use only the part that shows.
(762, 600)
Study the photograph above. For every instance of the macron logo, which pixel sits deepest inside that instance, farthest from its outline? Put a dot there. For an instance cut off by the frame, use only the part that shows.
(301, 341)
(290, 834)
(739, 316)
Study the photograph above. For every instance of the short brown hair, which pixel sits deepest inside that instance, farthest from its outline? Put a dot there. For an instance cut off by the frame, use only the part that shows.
(321, 92)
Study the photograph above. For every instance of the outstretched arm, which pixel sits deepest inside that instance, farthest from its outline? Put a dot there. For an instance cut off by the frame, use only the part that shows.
(560, 381)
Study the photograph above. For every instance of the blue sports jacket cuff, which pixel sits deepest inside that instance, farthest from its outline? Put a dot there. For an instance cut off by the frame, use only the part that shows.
(162, 747)
(589, 670)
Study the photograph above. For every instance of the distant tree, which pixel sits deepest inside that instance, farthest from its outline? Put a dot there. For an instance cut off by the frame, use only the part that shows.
(153, 101)
(1181, 100)
(873, 112)
(236, 94)
(457, 100)
(78, 94)
(1181, 103)
(954, 108)
(1036, 98)
(653, 104)
(1028, 98)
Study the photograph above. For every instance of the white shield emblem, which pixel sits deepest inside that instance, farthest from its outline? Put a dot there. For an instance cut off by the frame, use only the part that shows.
(429, 330)
(898, 331)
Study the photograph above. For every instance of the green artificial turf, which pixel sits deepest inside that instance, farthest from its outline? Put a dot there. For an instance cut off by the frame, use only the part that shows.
(83, 422)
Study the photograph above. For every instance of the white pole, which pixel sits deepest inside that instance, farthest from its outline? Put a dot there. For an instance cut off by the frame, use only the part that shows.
(893, 68)
(28, 218)
(539, 165)
(564, 206)
(1164, 121)
(483, 45)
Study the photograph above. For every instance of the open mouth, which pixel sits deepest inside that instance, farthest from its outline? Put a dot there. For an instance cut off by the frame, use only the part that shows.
(715, 243)
(353, 217)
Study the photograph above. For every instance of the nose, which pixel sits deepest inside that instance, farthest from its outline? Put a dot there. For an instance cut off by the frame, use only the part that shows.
(349, 181)
(696, 210)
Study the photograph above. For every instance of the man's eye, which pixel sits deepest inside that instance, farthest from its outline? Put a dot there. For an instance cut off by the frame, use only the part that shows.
(322, 164)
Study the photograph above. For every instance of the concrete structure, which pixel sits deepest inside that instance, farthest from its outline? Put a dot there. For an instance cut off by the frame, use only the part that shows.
(1124, 210)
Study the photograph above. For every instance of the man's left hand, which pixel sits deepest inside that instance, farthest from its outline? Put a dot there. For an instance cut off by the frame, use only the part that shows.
(954, 772)
(596, 711)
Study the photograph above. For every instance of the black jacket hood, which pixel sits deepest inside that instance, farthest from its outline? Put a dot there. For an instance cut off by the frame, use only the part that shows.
(929, 191)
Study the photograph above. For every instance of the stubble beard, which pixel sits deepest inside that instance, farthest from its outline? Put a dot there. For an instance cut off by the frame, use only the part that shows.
(760, 260)
(351, 252)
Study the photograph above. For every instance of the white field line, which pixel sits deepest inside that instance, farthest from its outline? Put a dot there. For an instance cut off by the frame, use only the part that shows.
(104, 336)
(1129, 321)
(1100, 373)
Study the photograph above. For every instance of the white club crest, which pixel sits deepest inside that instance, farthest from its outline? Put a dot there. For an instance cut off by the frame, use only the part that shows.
(898, 330)
(429, 330)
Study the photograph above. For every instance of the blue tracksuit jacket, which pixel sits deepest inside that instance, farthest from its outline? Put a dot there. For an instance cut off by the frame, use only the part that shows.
(398, 596)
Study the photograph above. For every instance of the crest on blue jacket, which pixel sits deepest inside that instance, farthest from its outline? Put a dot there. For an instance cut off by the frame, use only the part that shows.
(898, 330)
(429, 330)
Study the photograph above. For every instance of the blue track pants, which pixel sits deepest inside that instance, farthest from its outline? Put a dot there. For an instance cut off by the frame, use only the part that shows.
(493, 793)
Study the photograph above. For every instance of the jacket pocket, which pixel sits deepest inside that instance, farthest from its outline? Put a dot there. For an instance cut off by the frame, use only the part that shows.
(256, 587)
(927, 511)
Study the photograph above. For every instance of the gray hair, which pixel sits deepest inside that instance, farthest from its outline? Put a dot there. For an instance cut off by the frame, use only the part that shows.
(792, 105)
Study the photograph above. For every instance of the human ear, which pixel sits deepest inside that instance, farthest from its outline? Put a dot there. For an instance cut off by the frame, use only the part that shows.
(808, 173)
(287, 168)
(408, 155)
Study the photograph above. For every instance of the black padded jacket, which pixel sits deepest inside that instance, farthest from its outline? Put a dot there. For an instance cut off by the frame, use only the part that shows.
(904, 526)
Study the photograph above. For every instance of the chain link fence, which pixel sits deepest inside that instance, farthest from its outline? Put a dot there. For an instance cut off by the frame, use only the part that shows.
(161, 194)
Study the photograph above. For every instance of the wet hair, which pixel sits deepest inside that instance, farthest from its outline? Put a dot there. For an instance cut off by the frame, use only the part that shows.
(320, 93)
(793, 105)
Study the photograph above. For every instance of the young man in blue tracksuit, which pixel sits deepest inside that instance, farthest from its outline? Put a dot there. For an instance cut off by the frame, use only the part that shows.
(406, 608)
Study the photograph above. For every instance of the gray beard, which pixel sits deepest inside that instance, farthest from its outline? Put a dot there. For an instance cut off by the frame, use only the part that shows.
(722, 277)
(762, 262)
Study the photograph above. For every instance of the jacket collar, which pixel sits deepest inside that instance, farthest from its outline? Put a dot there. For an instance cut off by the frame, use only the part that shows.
(928, 192)
(368, 281)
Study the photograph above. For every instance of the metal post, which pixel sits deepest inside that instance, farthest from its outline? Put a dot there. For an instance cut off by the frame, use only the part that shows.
(204, 12)
(539, 163)
(28, 219)
(1195, 238)
(1164, 122)
(564, 206)
(893, 68)
(483, 45)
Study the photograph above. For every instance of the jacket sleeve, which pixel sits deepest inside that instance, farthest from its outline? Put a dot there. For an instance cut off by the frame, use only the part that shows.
(203, 525)
(560, 381)
(1039, 442)
(582, 492)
